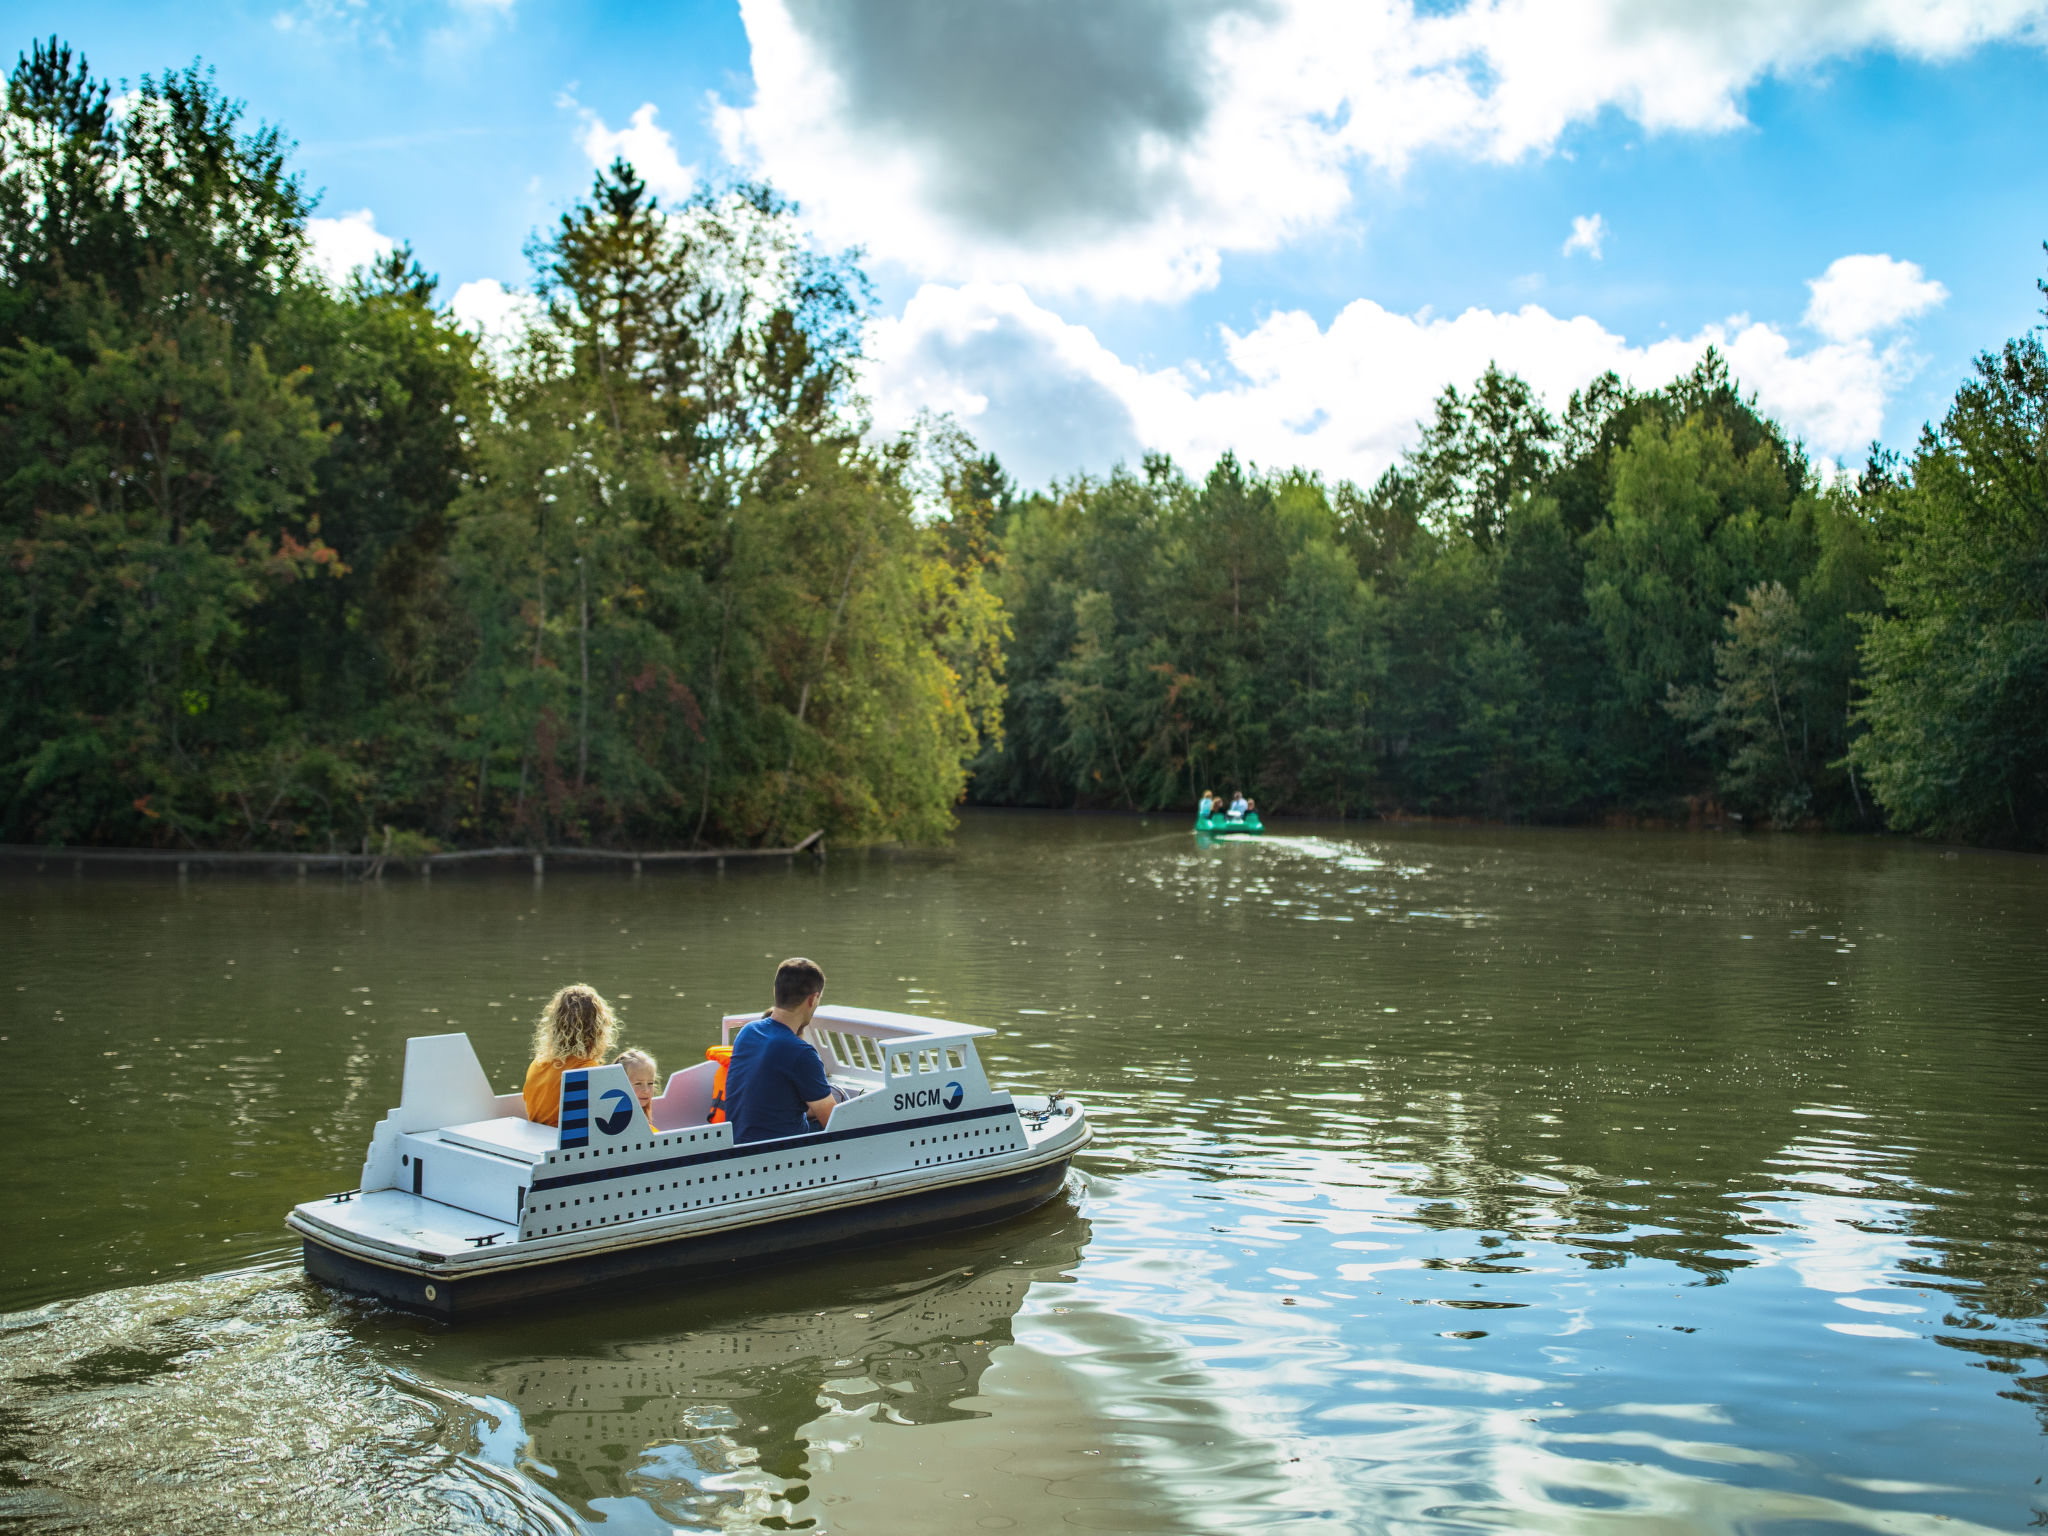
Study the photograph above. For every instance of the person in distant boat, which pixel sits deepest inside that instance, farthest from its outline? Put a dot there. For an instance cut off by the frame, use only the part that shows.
(1238, 806)
(575, 1030)
(776, 1084)
(644, 1075)
(1208, 805)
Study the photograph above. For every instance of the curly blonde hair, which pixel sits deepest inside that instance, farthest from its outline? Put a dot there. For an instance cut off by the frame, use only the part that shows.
(576, 1023)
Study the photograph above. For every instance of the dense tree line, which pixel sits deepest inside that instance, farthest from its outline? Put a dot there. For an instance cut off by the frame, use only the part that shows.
(288, 566)
(1650, 607)
(295, 566)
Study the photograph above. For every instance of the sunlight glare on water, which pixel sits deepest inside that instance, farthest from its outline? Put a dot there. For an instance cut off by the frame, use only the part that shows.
(1445, 1179)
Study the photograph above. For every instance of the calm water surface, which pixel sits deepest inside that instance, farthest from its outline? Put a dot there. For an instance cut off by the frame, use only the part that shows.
(1445, 1181)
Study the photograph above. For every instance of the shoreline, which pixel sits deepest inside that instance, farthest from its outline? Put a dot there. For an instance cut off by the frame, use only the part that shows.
(371, 866)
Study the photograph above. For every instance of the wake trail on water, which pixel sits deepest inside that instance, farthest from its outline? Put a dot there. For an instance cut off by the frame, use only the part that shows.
(241, 1399)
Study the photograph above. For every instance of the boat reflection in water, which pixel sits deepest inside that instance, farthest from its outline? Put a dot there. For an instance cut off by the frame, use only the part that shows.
(708, 1410)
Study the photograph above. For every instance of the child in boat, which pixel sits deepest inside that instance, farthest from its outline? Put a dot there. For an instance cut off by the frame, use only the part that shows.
(644, 1075)
(575, 1030)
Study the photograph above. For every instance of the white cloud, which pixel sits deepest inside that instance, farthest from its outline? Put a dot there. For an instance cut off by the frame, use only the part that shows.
(1859, 296)
(1123, 150)
(1045, 393)
(646, 145)
(1050, 399)
(339, 246)
(1589, 233)
(499, 316)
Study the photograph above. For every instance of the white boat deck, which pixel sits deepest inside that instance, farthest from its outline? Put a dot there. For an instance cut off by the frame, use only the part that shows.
(392, 1219)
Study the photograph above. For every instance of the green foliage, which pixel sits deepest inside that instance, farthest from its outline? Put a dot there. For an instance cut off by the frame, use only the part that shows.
(1481, 454)
(291, 566)
(1956, 706)
(1759, 708)
(703, 609)
(1688, 525)
(155, 464)
(1691, 525)
(1493, 629)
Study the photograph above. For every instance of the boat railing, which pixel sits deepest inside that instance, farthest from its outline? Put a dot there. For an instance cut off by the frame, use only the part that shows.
(871, 1046)
(852, 1055)
(865, 1057)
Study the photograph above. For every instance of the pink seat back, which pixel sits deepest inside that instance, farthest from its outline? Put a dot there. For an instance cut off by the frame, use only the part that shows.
(686, 1103)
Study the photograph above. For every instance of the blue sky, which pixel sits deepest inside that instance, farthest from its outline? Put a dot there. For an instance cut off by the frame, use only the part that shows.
(1276, 225)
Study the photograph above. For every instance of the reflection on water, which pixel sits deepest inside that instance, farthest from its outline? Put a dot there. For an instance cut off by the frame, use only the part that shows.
(734, 1405)
(1446, 1180)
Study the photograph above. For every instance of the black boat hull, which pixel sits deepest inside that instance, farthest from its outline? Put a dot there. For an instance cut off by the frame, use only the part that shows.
(737, 1251)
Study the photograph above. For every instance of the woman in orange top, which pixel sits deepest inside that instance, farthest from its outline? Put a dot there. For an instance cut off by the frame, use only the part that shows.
(575, 1030)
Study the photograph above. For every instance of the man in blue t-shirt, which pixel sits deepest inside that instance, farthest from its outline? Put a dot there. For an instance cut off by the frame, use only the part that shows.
(775, 1080)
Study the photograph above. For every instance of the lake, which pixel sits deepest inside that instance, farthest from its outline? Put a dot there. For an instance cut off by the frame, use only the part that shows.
(1446, 1179)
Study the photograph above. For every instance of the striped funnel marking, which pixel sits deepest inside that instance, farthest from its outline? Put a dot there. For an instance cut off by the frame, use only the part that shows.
(576, 1107)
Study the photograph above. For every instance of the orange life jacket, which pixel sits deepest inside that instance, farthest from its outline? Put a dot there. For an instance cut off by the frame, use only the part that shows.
(722, 1054)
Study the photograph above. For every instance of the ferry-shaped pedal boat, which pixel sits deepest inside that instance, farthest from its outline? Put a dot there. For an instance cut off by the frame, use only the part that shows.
(465, 1205)
(1223, 824)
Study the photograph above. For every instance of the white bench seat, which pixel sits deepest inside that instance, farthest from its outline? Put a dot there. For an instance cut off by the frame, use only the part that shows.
(508, 1136)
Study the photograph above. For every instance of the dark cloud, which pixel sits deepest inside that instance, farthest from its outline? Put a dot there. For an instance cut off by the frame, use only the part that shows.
(1038, 117)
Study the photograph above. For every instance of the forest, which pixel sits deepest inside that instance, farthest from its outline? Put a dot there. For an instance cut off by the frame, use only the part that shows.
(292, 565)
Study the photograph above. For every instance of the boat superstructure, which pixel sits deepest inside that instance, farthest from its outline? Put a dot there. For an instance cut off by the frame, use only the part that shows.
(464, 1204)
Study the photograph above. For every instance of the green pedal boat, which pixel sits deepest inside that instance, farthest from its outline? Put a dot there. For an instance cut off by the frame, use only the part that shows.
(1248, 824)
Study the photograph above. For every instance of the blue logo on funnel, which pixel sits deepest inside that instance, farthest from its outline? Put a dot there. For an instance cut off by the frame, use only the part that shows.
(618, 1119)
(953, 1095)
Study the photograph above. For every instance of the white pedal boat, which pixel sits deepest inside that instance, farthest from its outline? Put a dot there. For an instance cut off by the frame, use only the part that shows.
(466, 1205)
